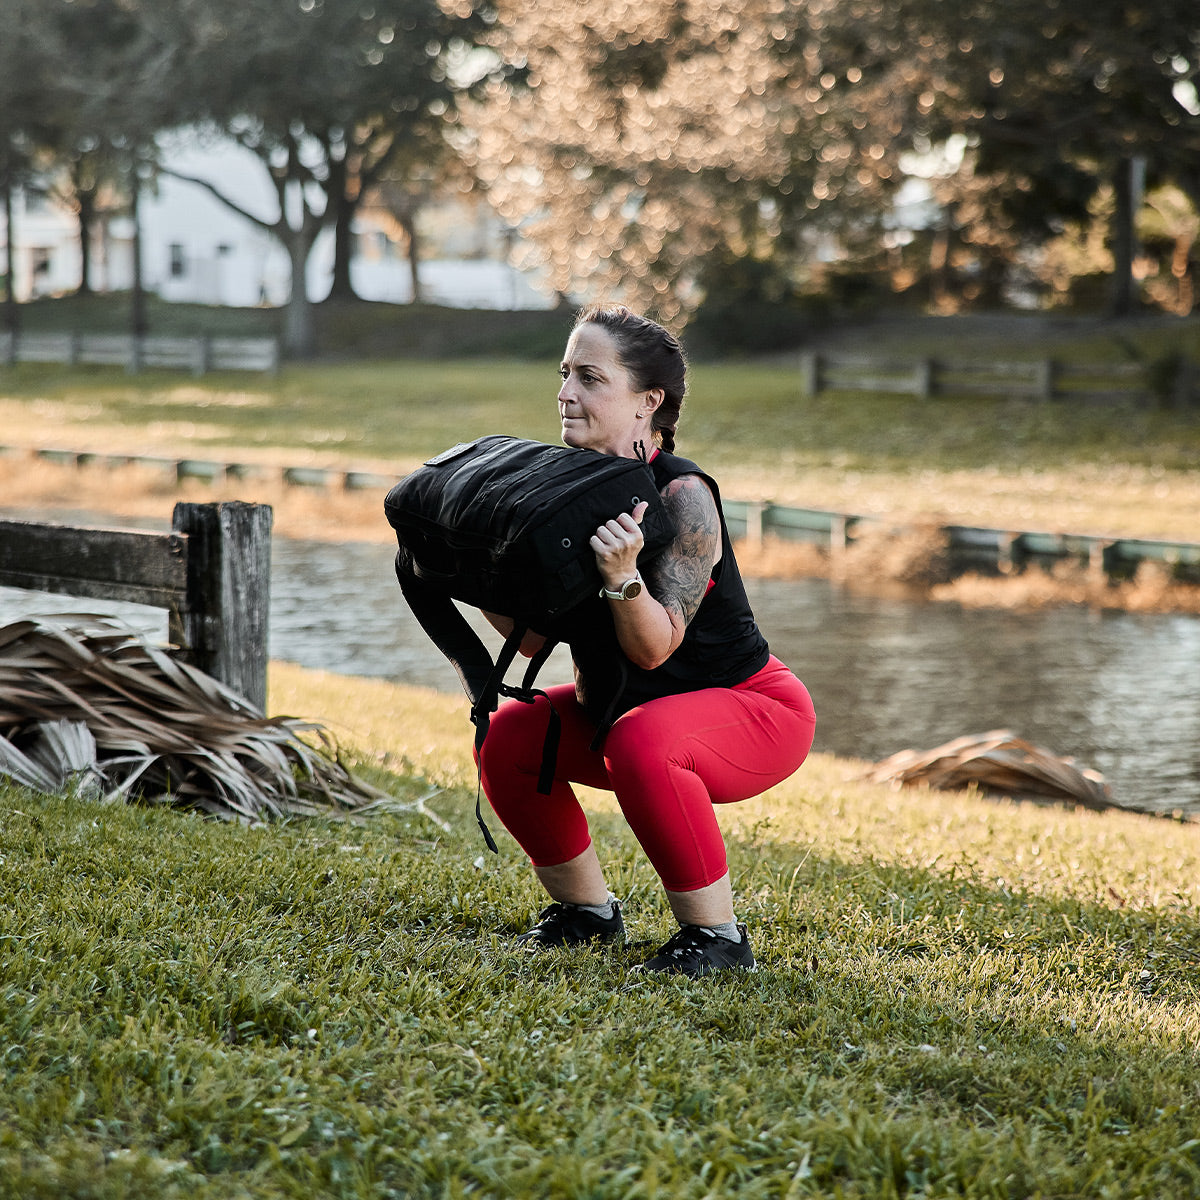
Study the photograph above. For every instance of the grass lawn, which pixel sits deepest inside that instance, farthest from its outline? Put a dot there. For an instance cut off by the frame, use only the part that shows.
(957, 997)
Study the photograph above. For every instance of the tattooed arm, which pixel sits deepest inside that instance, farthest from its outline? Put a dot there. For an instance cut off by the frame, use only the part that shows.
(651, 626)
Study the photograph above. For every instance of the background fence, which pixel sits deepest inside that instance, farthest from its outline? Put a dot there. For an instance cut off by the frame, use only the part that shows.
(1176, 383)
(195, 354)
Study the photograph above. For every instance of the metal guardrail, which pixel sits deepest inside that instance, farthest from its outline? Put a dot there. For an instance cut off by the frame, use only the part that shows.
(210, 470)
(969, 546)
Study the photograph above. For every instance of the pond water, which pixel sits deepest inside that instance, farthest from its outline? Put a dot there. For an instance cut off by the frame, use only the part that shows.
(1117, 691)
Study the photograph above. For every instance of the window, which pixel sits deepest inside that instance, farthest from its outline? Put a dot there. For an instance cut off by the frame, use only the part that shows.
(178, 260)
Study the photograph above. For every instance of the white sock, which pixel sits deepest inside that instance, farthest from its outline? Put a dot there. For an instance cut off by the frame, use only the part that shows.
(729, 930)
(604, 911)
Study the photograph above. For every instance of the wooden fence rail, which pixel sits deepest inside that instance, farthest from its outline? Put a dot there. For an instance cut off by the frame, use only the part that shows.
(195, 354)
(1041, 380)
(211, 573)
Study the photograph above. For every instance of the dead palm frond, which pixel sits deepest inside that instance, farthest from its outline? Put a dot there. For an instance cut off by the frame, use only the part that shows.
(996, 761)
(85, 699)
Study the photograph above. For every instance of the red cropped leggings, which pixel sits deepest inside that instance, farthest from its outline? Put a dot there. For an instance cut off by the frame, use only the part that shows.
(668, 762)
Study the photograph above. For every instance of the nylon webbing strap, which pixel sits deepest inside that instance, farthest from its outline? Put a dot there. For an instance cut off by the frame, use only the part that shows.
(481, 716)
(528, 693)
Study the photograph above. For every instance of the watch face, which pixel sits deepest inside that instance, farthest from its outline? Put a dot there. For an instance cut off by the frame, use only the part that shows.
(631, 589)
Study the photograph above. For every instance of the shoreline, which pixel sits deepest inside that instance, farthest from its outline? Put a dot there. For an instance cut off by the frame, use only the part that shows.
(908, 562)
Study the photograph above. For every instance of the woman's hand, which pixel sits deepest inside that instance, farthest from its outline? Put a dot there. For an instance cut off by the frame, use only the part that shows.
(617, 544)
(651, 626)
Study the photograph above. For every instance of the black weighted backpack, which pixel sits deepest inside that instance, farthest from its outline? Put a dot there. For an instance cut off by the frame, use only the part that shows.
(503, 524)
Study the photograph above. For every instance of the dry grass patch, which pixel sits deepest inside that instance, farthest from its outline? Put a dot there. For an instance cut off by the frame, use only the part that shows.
(147, 493)
(911, 558)
(1152, 590)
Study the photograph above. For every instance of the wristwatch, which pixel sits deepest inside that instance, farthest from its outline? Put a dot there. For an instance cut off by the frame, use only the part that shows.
(627, 590)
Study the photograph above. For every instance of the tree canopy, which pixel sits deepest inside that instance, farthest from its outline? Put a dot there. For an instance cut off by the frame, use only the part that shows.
(327, 96)
(654, 151)
(1058, 99)
(647, 136)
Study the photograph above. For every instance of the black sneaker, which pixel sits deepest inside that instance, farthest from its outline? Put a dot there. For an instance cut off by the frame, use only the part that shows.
(570, 925)
(693, 951)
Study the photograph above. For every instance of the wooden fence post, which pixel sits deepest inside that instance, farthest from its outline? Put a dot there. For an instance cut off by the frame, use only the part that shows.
(223, 627)
(923, 378)
(1183, 386)
(810, 374)
(201, 355)
(1044, 380)
(755, 511)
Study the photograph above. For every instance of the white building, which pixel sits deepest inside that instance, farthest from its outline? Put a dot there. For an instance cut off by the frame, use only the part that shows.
(196, 249)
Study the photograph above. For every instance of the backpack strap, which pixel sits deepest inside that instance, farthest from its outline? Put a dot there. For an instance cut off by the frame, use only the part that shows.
(482, 709)
(527, 693)
(481, 677)
(481, 718)
(449, 631)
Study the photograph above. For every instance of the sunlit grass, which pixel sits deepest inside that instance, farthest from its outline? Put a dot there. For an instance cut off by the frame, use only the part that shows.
(985, 462)
(958, 997)
(407, 408)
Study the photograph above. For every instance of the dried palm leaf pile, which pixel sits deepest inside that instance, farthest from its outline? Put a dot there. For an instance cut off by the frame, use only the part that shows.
(85, 701)
(998, 762)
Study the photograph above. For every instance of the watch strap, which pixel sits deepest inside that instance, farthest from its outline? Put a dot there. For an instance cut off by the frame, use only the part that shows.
(622, 593)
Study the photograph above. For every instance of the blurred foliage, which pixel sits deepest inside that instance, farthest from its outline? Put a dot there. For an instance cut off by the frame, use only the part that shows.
(948, 149)
(786, 131)
(751, 306)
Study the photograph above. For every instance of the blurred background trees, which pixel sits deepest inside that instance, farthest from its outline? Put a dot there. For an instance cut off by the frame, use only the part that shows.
(331, 98)
(752, 165)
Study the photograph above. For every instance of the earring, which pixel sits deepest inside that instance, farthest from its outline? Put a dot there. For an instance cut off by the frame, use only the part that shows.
(639, 415)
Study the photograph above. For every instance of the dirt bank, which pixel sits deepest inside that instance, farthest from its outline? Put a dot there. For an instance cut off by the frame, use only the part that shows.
(913, 563)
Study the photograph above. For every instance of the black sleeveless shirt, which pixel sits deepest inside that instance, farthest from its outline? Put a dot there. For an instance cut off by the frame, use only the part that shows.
(722, 645)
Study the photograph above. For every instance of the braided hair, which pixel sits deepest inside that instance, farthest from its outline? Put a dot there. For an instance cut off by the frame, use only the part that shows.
(652, 356)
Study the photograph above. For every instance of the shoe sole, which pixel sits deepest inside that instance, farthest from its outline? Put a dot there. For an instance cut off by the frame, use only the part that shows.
(645, 972)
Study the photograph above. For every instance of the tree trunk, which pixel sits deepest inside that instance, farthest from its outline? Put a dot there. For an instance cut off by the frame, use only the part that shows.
(137, 296)
(12, 315)
(299, 334)
(1122, 296)
(343, 235)
(939, 262)
(408, 222)
(87, 215)
(1185, 297)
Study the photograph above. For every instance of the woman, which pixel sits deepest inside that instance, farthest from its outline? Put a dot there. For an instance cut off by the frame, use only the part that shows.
(707, 715)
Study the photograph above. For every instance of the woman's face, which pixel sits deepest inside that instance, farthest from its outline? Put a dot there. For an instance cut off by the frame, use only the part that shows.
(596, 403)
